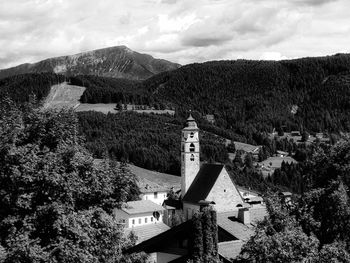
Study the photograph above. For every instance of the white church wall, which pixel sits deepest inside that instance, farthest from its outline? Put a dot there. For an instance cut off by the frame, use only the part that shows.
(224, 194)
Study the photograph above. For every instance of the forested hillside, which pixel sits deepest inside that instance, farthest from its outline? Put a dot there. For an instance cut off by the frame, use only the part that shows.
(20, 87)
(260, 95)
(108, 90)
(149, 141)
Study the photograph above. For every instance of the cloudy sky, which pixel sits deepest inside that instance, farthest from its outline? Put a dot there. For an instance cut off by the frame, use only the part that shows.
(182, 31)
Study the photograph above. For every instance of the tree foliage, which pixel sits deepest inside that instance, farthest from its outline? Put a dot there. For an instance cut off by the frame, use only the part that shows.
(21, 88)
(149, 141)
(55, 202)
(315, 226)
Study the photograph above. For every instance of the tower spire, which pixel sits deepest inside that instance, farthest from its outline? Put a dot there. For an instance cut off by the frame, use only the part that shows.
(190, 163)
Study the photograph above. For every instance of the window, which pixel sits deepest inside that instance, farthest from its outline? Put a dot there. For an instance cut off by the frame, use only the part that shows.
(145, 220)
(139, 220)
(192, 147)
(155, 195)
(191, 134)
(152, 219)
(133, 222)
(224, 190)
(192, 157)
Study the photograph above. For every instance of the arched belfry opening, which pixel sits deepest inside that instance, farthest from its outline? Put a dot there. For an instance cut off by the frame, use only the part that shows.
(192, 147)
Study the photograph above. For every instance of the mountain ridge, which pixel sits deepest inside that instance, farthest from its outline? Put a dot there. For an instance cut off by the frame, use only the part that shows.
(116, 62)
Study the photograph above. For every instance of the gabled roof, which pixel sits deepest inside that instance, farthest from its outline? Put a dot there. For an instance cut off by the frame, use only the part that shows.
(155, 243)
(203, 183)
(237, 229)
(230, 249)
(140, 207)
(227, 250)
(147, 231)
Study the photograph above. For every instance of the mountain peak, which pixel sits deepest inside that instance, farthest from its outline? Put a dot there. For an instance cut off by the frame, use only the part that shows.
(116, 62)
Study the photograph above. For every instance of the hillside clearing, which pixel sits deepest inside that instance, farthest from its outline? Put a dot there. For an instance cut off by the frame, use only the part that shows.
(63, 95)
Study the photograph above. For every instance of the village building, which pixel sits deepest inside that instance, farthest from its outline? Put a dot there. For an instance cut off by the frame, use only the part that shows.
(155, 186)
(204, 185)
(144, 219)
(139, 213)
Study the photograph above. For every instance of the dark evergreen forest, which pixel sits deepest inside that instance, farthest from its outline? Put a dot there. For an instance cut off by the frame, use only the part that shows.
(150, 141)
(21, 87)
(109, 90)
(248, 96)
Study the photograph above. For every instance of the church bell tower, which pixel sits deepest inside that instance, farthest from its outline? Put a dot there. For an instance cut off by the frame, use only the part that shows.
(190, 163)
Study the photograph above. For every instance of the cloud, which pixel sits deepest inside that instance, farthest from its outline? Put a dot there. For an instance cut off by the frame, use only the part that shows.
(313, 2)
(271, 55)
(179, 30)
(169, 2)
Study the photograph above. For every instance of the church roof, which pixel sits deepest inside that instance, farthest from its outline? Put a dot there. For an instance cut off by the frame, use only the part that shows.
(203, 183)
(191, 124)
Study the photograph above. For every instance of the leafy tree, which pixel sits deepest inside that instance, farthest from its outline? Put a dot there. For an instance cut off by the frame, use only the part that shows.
(315, 227)
(56, 203)
(278, 238)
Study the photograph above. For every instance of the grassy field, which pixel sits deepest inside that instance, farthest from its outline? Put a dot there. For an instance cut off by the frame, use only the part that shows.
(272, 163)
(63, 95)
(105, 108)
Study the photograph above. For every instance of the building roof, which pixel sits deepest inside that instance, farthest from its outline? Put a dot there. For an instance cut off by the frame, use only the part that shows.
(155, 243)
(140, 207)
(286, 194)
(247, 147)
(170, 203)
(227, 250)
(182, 259)
(251, 192)
(190, 124)
(254, 200)
(230, 249)
(151, 181)
(203, 183)
(227, 222)
(147, 231)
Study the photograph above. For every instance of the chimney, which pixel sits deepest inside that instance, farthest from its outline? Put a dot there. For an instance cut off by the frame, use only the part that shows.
(244, 215)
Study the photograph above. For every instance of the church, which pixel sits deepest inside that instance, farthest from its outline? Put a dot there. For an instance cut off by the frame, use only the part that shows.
(203, 185)
(207, 183)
